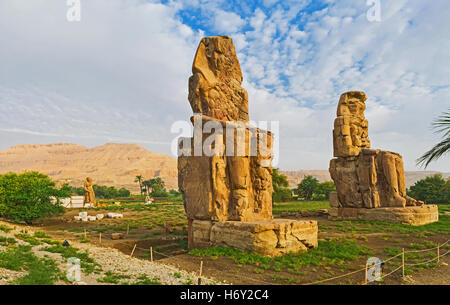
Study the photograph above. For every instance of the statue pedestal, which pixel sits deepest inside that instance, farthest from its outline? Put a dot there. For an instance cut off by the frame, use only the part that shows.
(416, 216)
(269, 237)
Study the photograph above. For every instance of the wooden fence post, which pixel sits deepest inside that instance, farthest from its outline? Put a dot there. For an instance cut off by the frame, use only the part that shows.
(403, 263)
(100, 238)
(151, 254)
(438, 253)
(200, 273)
(365, 276)
(132, 252)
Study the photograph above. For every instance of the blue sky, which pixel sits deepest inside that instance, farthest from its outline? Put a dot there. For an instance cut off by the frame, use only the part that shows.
(120, 74)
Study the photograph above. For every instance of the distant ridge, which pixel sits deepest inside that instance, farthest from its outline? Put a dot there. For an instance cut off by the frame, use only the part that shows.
(117, 165)
(295, 177)
(110, 164)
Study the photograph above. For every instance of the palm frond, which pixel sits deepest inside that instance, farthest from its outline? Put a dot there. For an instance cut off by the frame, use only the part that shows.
(435, 153)
(442, 124)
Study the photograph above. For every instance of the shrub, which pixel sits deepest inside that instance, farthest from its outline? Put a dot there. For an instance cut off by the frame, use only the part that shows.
(280, 184)
(307, 187)
(432, 189)
(28, 196)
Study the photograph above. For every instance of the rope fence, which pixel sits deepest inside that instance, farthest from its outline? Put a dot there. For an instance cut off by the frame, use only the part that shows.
(401, 267)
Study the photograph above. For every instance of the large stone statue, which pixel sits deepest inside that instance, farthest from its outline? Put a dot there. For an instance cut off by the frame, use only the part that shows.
(228, 193)
(89, 195)
(367, 178)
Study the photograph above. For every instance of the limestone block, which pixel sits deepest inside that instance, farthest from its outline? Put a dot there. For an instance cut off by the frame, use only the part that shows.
(92, 218)
(270, 238)
(414, 215)
(100, 216)
(334, 201)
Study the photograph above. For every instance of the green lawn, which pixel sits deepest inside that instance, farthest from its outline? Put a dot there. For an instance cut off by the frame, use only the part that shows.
(297, 206)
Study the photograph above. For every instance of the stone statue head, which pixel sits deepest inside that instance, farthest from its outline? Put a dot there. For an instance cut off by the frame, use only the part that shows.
(350, 134)
(352, 103)
(215, 85)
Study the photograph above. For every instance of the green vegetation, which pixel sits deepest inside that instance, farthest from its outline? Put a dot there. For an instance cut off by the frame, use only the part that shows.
(28, 238)
(88, 265)
(310, 188)
(4, 228)
(432, 189)
(280, 184)
(155, 187)
(297, 206)
(28, 196)
(41, 271)
(441, 125)
(113, 278)
(101, 191)
(329, 252)
(5, 241)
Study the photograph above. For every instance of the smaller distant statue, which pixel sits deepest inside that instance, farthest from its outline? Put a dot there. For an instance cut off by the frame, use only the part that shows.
(148, 200)
(89, 196)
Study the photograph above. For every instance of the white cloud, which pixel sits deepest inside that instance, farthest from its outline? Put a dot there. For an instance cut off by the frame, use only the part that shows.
(121, 73)
(227, 22)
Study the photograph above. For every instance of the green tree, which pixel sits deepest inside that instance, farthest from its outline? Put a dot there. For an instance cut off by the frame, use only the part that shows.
(432, 189)
(157, 187)
(324, 189)
(29, 196)
(139, 179)
(441, 125)
(280, 184)
(307, 187)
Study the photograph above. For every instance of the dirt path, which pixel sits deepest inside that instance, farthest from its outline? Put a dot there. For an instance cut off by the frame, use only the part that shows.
(435, 276)
(112, 261)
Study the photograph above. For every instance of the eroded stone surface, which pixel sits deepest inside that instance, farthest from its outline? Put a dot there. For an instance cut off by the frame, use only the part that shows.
(227, 193)
(269, 238)
(416, 216)
(215, 86)
(366, 178)
(224, 186)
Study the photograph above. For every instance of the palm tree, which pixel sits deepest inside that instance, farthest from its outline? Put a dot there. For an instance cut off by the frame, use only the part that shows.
(441, 125)
(139, 180)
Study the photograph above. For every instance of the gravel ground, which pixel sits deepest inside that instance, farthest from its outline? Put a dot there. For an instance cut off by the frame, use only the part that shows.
(110, 260)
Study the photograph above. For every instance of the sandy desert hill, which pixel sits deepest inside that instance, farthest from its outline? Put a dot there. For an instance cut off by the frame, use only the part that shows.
(119, 164)
(109, 164)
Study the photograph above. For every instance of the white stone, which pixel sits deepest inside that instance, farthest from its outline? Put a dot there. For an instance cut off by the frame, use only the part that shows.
(92, 218)
(83, 214)
(114, 215)
(99, 216)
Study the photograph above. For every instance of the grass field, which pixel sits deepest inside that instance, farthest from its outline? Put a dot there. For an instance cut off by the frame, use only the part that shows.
(297, 206)
(344, 246)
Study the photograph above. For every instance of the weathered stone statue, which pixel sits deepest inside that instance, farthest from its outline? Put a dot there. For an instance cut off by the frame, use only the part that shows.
(89, 195)
(228, 193)
(364, 177)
